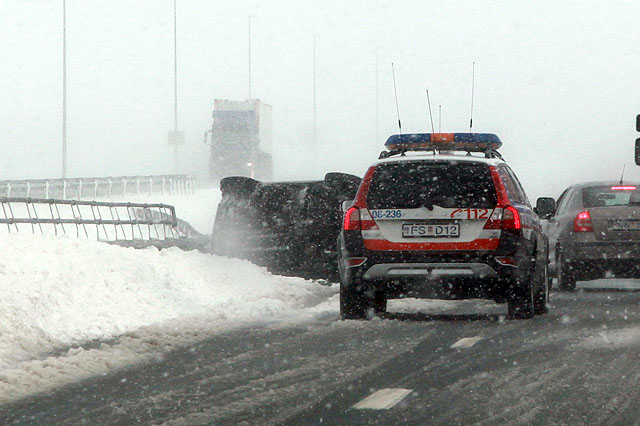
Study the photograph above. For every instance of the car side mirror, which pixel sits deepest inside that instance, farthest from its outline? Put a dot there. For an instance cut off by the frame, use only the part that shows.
(545, 207)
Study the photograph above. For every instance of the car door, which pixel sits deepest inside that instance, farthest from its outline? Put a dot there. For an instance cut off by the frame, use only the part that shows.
(561, 224)
(531, 226)
(551, 226)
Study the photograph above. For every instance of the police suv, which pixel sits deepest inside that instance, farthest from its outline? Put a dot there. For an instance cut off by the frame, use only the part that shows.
(441, 215)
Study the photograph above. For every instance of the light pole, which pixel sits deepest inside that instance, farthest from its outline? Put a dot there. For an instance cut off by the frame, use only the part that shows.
(377, 111)
(175, 71)
(175, 137)
(64, 89)
(250, 17)
(315, 106)
(175, 85)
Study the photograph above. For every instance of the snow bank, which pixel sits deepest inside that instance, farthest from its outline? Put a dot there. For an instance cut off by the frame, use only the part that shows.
(60, 292)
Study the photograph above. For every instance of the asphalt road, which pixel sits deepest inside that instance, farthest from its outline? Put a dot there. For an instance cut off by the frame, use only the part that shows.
(576, 365)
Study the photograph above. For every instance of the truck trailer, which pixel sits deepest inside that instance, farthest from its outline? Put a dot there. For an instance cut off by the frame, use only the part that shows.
(240, 139)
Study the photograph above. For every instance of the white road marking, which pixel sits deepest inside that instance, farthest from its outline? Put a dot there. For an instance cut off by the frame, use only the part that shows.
(383, 399)
(466, 342)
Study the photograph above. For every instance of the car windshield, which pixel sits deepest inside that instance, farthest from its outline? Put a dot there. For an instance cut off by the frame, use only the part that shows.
(608, 195)
(414, 184)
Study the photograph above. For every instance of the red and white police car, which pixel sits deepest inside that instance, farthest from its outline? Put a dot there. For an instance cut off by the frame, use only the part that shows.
(441, 215)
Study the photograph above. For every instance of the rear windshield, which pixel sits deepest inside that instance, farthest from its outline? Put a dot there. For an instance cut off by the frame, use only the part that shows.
(416, 184)
(617, 195)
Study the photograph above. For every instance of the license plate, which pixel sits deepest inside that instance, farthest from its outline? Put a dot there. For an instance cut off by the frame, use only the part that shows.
(429, 230)
(624, 225)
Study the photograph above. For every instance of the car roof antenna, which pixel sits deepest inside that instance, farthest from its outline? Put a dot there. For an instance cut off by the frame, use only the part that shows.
(622, 174)
(473, 80)
(433, 130)
(393, 73)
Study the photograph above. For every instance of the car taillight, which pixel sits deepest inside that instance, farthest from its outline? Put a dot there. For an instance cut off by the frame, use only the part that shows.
(352, 217)
(511, 218)
(495, 221)
(352, 220)
(504, 218)
(582, 222)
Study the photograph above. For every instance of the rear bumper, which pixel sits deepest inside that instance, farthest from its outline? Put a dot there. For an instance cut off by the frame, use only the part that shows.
(605, 250)
(456, 276)
(390, 271)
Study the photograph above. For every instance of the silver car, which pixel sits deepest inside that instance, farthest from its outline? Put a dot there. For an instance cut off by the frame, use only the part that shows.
(593, 231)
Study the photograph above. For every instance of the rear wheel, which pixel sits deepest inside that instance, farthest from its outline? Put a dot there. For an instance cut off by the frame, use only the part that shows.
(354, 303)
(542, 298)
(521, 301)
(380, 303)
(565, 275)
(359, 302)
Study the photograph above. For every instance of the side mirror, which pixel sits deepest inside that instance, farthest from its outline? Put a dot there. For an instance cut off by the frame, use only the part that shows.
(545, 207)
(638, 151)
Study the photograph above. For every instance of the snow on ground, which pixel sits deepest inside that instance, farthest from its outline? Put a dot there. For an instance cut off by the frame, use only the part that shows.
(450, 307)
(61, 292)
(76, 308)
(609, 284)
(613, 339)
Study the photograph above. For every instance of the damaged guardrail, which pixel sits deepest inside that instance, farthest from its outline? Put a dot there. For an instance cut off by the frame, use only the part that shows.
(122, 223)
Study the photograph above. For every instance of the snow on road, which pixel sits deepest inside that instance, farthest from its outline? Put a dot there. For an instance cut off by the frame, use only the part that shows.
(61, 293)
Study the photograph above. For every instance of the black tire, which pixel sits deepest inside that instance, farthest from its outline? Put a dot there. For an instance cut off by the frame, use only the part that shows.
(521, 301)
(565, 275)
(542, 298)
(353, 303)
(380, 303)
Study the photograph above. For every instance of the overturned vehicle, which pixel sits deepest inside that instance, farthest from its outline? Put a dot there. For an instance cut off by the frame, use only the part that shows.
(289, 227)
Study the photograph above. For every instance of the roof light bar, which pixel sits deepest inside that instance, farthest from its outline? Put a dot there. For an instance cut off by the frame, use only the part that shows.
(472, 142)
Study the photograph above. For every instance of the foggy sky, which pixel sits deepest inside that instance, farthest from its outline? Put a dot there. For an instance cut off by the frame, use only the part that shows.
(557, 82)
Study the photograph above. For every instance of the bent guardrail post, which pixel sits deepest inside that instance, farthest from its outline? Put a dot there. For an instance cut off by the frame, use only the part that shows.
(100, 220)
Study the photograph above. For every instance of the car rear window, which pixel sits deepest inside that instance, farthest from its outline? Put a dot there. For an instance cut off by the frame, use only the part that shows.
(414, 184)
(617, 195)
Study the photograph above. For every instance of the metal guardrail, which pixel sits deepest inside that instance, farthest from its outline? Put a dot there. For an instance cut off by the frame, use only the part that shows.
(103, 221)
(96, 187)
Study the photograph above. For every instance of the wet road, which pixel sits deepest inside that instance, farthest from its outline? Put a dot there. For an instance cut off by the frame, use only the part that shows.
(462, 365)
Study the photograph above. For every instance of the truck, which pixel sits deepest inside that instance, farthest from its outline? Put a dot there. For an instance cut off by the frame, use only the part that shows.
(240, 139)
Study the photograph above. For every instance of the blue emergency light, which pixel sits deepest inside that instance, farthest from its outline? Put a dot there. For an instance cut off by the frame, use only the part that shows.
(470, 142)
